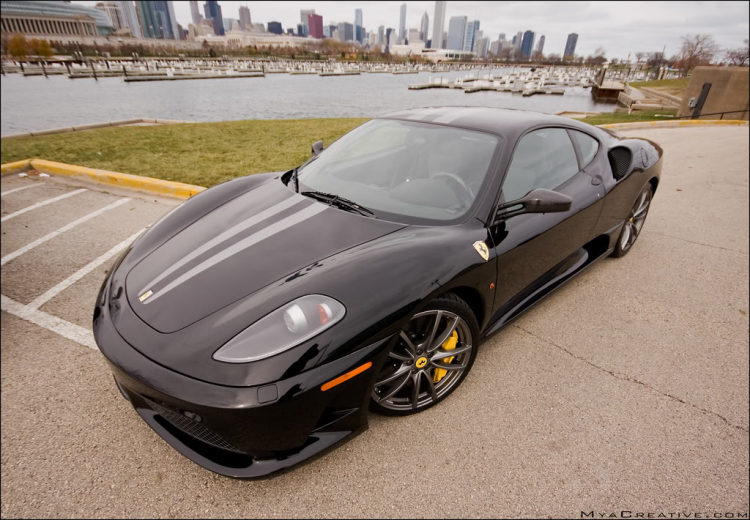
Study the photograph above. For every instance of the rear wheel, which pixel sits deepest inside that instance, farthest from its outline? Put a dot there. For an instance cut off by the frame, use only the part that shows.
(432, 356)
(633, 226)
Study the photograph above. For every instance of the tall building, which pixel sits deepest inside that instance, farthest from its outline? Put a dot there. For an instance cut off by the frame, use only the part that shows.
(456, 33)
(176, 31)
(302, 30)
(527, 44)
(114, 12)
(381, 35)
(130, 17)
(501, 37)
(330, 29)
(358, 30)
(212, 11)
(389, 37)
(149, 19)
(517, 39)
(402, 23)
(195, 13)
(245, 21)
(275, 28)
(346, 31)
(315, 25)
(424, 27)
(482, 46)
(540, 45)
(471, 34)
(570, 45)
(414, 35)
(438, 22)
(303, 14)
(228, 22)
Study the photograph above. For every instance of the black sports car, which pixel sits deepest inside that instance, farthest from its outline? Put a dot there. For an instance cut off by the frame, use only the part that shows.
(257, 323)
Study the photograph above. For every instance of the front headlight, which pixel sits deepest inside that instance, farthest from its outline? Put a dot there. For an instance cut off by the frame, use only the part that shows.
(282, 329)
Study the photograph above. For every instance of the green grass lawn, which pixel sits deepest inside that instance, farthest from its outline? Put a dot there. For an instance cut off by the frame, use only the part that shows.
(676, 87)
(605, 119)
(197, 153)
(205, 154)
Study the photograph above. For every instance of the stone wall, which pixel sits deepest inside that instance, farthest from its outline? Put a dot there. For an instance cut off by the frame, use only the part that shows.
(729, 91)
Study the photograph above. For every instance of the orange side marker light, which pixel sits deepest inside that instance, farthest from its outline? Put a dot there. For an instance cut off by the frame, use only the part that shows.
(333, 382)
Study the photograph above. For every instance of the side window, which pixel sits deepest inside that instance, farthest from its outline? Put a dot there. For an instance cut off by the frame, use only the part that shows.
(543, 159)
(588, 146)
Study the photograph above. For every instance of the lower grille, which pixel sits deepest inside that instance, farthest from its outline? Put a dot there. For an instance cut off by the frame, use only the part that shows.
(191, 427)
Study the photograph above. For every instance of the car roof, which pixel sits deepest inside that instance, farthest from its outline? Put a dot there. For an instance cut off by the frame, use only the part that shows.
(506, 121)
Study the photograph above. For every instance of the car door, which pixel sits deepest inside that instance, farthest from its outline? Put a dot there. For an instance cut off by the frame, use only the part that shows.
(531, 245)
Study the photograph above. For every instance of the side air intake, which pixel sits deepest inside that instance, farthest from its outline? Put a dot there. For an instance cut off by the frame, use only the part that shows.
(619, 160)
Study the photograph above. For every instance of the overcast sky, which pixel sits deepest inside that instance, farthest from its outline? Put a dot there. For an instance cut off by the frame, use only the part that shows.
(619, 27)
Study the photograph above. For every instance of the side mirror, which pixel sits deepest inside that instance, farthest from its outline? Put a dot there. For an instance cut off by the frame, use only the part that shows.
(536, 201)
(317, 147)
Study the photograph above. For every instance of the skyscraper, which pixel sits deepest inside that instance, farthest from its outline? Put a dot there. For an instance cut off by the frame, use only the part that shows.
(456, 33)
(570, 45)
(130, 17)
(303, 14)
(358, 32)
(195, 13)
(424, 27)
(438, 22)
(245, 21)
(402, 23)
(470, 36)
(346, 32)
(540, 45)
(501, 37)
(381, 36)
(527, 44)
(389, 37)
(212, 10)
(176, 32)
(315, 25)
(150, 23)
(517, 39)
(275, 28)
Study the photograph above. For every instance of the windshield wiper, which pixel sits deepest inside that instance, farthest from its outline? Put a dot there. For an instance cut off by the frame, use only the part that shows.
(339, 202)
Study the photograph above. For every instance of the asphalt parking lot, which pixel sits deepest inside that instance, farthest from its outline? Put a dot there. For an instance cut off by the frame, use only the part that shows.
(625, 390)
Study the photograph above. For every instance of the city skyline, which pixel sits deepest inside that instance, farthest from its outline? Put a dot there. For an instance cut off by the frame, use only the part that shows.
(619, 27)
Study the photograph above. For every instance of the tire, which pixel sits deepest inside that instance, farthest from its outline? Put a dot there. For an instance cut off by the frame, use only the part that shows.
(633, 226)
(416, 356)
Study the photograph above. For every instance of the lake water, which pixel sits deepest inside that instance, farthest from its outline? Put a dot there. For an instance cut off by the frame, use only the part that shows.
(38, 103)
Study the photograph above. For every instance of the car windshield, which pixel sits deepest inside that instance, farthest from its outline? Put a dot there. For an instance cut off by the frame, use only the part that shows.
(404, 169)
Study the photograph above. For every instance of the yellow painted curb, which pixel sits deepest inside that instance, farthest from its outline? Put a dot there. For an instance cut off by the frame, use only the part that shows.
(13, 167)
(674, 124)
(179, 190)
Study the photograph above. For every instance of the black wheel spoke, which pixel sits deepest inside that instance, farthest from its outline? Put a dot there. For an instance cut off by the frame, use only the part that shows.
(448, 353)
(452, 366)
(447, 333)
(417, 379)
(398, 373)
(395, 389)
(431, 387)
(412, 349)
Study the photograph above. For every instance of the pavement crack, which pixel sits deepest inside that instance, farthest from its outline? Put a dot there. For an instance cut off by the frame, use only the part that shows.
(697, 243)
(626, 377)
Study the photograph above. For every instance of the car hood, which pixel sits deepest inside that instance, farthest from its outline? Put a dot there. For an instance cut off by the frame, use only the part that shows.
(238, 248)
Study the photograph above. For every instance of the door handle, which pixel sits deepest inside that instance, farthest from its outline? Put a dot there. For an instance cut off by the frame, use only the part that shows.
(596, 180)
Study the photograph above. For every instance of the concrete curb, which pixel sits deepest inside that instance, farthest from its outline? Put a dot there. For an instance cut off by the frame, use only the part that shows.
(14, 167)
(161, 187)
(674, 124)
(91, 126)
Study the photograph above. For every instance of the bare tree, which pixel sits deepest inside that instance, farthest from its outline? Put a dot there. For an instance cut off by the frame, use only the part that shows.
(698, 49)
(639, 56)
(739, 56)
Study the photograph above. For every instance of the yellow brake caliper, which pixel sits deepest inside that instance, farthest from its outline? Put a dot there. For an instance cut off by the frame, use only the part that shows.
(449, 344)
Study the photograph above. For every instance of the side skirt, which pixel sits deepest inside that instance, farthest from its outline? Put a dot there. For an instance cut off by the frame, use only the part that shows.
(580, 260)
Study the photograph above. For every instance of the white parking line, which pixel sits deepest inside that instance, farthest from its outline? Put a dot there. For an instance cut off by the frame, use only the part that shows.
(57, 289)
(52, 323)
(3, 194)
(40, 204)
(18, 252)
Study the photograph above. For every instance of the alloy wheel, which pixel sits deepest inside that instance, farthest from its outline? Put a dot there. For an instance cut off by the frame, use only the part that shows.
(428, 360)
(635, 221)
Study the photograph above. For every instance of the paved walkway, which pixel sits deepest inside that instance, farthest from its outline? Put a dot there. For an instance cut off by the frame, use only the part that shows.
(626, 390)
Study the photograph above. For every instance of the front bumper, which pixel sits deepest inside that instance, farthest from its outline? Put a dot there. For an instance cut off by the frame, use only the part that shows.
(243, 432)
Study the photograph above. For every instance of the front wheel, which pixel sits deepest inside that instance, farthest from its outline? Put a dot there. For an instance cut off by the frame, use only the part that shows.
(633, 226)
(431, 357)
